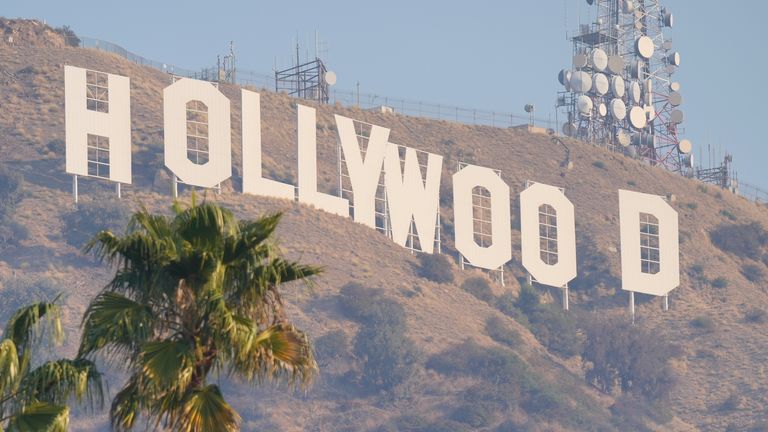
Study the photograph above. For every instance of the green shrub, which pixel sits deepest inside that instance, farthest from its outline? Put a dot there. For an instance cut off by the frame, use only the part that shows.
(11, 232)
(553, 327)
(756, 316)
(91, 217)
(479, 287)
(631, 183)
(370, 306)
(727, 213)
(435, 267)
(501, 332)
(598, 164)
(330, 346)
(719, 282)
(10, 190)
(528, 300)
(631, 358)
(389, 357)
(745, 240)
(692, 205)
(476, 414)
(704, 323)
(70, 37)
(753, 273)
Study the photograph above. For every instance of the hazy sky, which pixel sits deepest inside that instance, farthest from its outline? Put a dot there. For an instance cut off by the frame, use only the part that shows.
(495, 55)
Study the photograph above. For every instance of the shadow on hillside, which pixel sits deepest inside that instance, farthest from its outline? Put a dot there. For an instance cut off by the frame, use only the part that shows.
(47, 173)
(40, 257)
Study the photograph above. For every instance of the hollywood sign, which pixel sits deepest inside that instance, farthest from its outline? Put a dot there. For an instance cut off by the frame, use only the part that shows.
(98, 135)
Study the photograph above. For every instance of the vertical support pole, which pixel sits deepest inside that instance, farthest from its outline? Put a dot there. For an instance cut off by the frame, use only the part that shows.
(529, 279)
(74, 187)
(461, 261)
(175, 187)
(119, 191)
(501, 273)
(566, 306)
(218, 189)
(632, 306)
(666, 302)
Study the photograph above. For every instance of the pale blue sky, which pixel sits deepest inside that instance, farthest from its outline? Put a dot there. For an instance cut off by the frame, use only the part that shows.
(495, 55)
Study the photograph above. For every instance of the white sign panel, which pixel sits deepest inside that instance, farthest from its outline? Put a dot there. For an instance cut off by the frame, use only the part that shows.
(98, 124)
(531, 201)
(411, 198)
(253, 182)
(634, 275)
(500, 251)
(211, 124)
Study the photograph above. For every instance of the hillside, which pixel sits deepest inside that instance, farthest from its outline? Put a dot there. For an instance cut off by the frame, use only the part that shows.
(718, 361)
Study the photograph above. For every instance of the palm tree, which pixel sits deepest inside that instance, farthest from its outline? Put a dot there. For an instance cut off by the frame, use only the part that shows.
(35, 399)
(194, 295)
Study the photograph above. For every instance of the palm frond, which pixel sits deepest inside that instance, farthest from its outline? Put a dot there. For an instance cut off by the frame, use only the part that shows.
(57, 381)
(204, 226)
(278, 351)
(9, 366)
(168, 363)
(205, 410)
(41, 417)
(126, 406)
(117, 323)
(23, 327)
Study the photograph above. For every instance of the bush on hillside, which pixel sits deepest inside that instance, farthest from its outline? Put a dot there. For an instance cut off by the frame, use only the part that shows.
(10, 191)
(11, 232)
(70, 37)
(480, 288)
(630, 358)
(745, 240)
(389, 357)
(719, 282)
(91, 217)
(704, 323)
(753, 273)
(553, 327)
(435, 267)
(501, 332)
(756, 315)
(331, 346)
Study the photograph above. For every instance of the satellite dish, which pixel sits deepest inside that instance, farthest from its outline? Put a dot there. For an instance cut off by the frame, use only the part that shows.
(685, 146)
(565, 78)
(602, 109)
(579, 61)
(628, 6)
(623, 138)
(675, 86)
(618, 109)
(581, 82)
(635, 92)
(598, 59)
(330, 78)
(601, 84)
(674, 59)
(569, 129)
(590, 2)
(676, 116)
(675, 98)
(615, 64)
(644, 46)
(585, 105)
(637, 117)
(618, 87)
(529, 108)
(650, 112)
(643, 139)
(669, 19)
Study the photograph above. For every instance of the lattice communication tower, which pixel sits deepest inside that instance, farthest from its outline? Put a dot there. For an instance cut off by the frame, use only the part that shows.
(620, 91)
